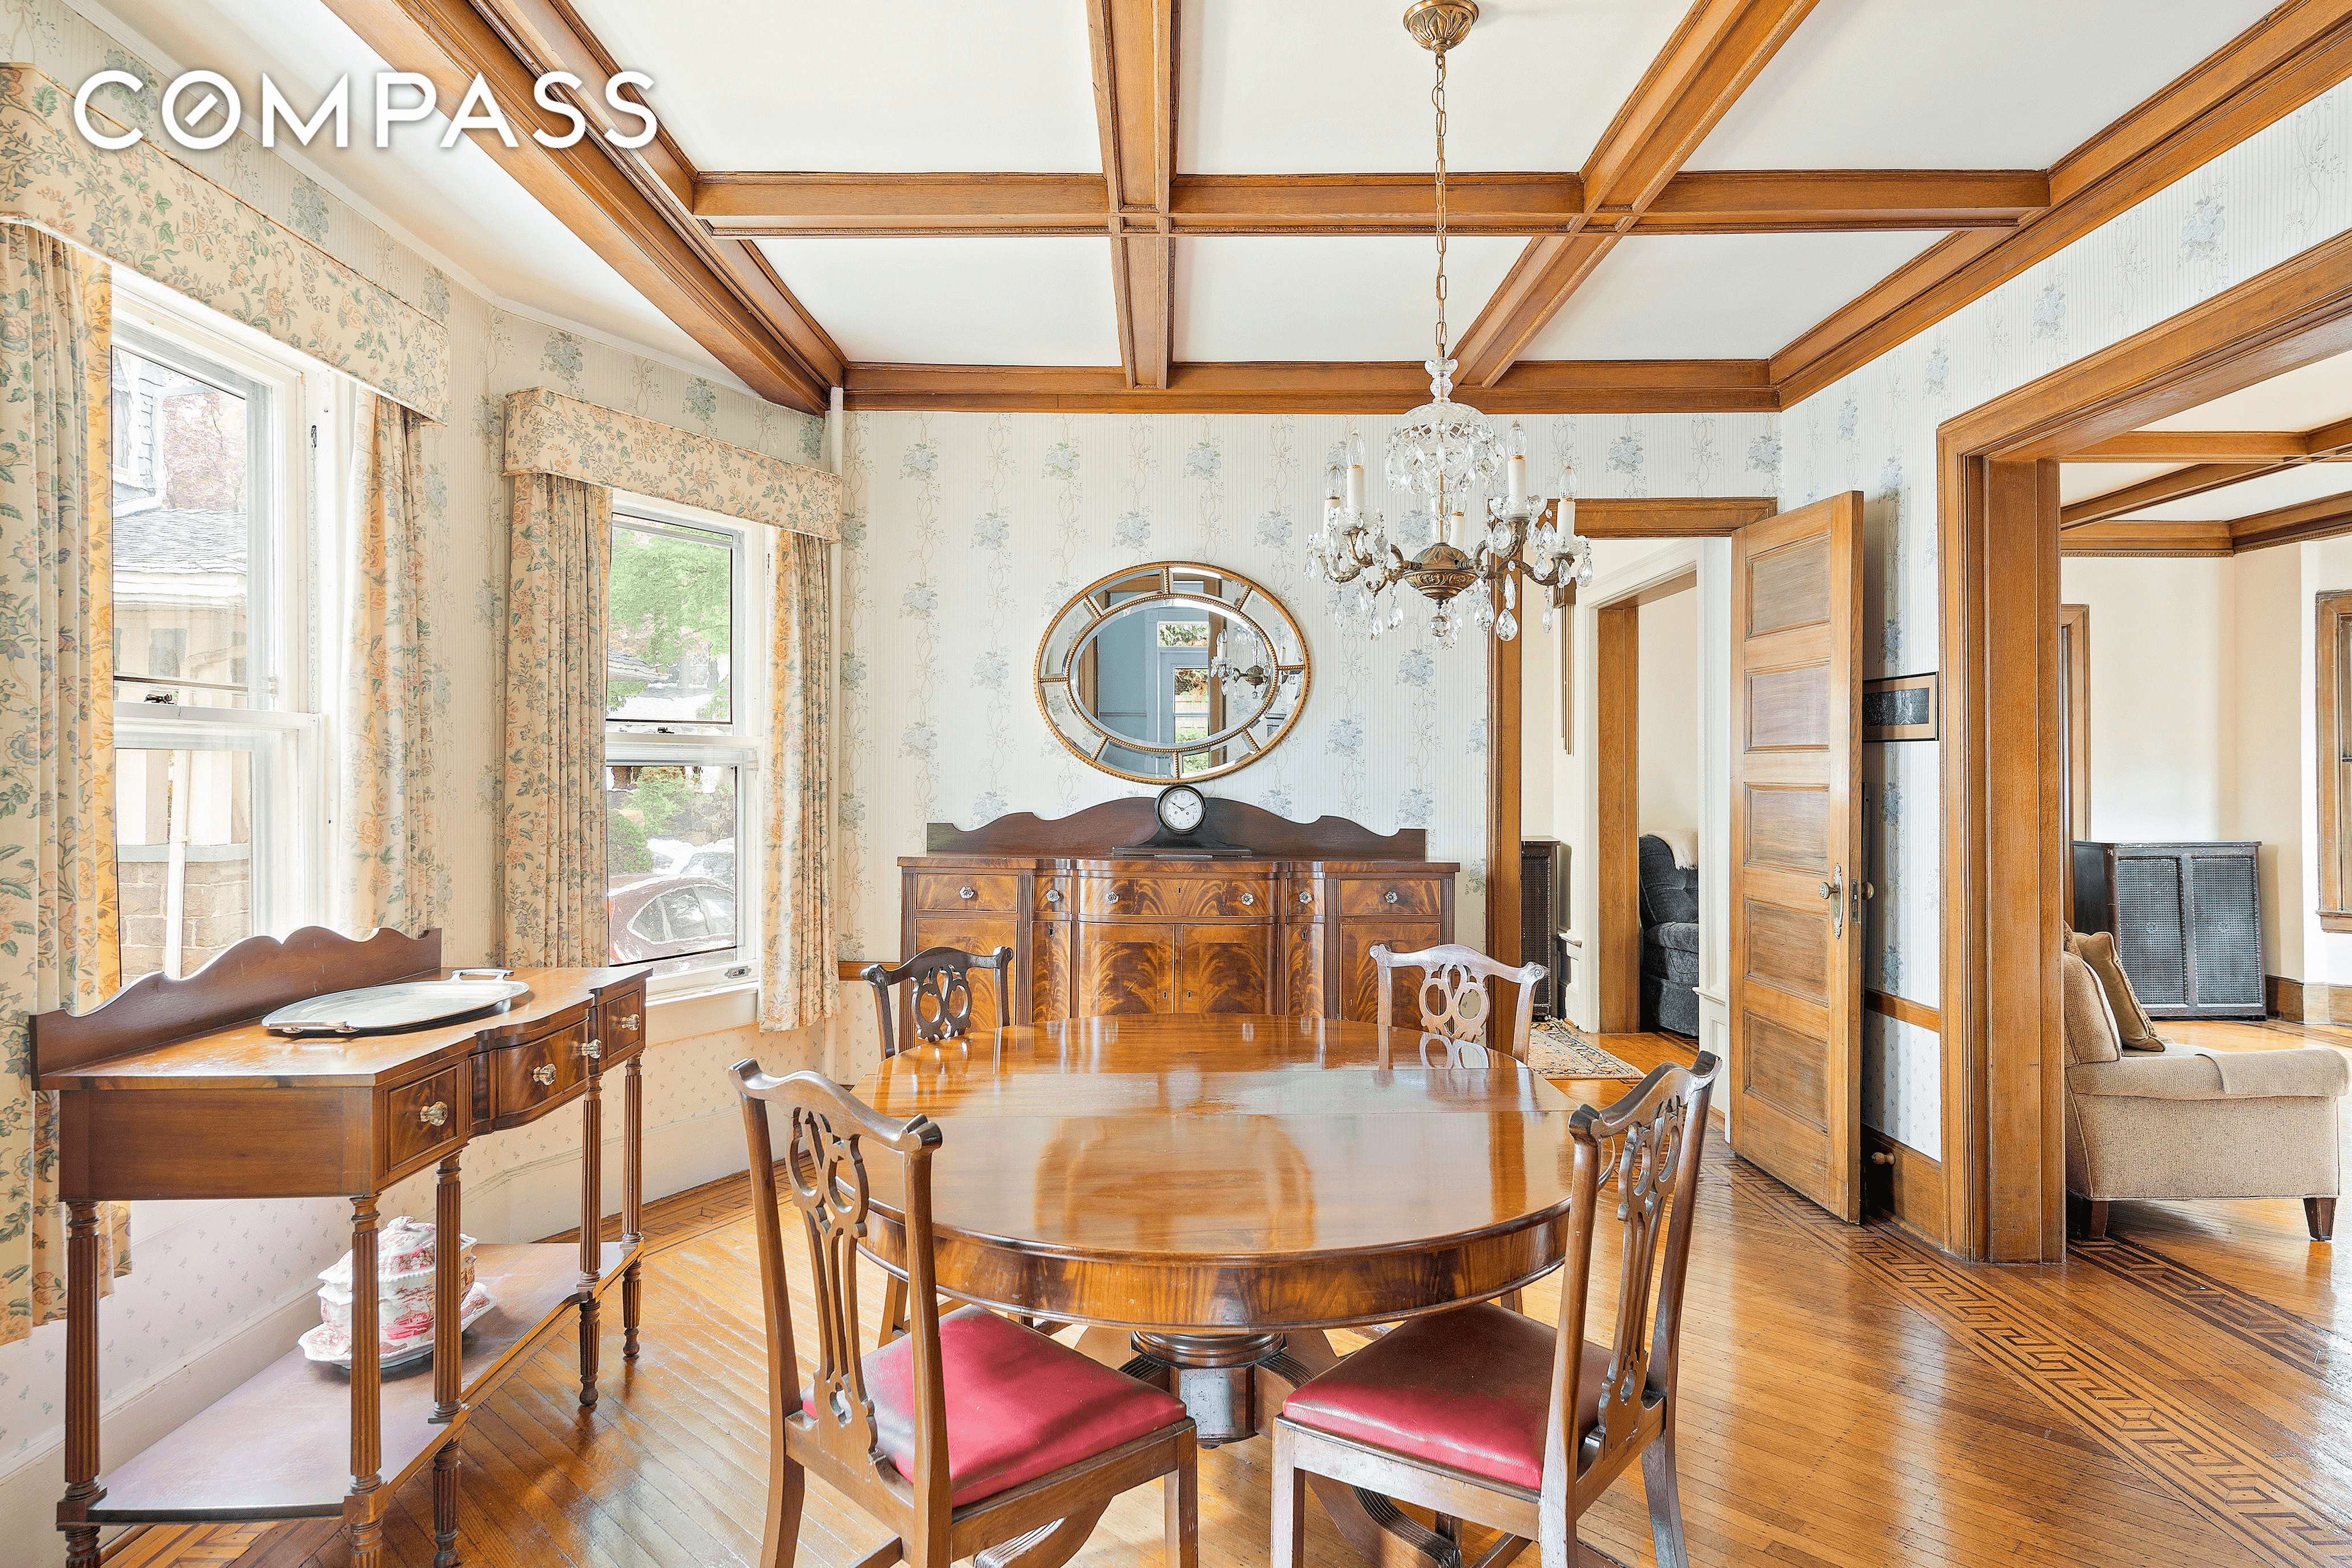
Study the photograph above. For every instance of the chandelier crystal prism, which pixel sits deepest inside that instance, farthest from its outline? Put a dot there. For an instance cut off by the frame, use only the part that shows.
(1444, 456)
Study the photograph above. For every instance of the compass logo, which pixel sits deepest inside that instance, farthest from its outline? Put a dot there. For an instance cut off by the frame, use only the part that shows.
(196, 99)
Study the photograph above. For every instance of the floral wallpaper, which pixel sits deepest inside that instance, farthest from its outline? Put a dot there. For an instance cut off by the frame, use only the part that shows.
(142, 209)
(548, 433)
(2279, 192)
(962, 535)
(206, 1270)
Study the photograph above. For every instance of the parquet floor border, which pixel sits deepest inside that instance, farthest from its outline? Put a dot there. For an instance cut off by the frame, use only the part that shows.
(2230, 1483)
(2293, 1342)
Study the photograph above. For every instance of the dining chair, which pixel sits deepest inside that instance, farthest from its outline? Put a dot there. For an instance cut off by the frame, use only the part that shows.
(1482, 1415)
(939, 1003)
(970, 1430)
(1453, 997)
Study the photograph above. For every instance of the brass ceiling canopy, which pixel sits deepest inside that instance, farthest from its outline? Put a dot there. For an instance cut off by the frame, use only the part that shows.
(1439, 25)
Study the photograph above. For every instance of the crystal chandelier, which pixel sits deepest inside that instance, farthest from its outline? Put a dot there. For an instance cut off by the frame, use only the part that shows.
(1444, 456)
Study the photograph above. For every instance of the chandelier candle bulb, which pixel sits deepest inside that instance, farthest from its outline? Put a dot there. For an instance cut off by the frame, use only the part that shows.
(1355, 486)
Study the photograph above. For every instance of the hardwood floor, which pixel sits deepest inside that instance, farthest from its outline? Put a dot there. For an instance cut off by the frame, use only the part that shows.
(2179, 1394)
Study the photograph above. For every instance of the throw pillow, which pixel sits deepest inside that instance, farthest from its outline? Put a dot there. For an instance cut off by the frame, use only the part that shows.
(2133, 1025)
(2090, 1025)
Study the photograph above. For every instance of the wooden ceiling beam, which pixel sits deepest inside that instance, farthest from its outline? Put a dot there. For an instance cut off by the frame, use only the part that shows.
(1585, 386)
(1711, 202)
(633, 208)
(2321, 519)
(2178, 485)
(2195, 446)
(2292, 56)
(1134, 51)
(2137, 536)
(1713, 56)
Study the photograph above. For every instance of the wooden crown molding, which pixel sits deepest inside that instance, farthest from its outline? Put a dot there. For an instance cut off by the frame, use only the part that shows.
(2323, 518)
(2137, 537)
(633, 208)
(1671, 517)
(1716, 52)
(1559, 386)
(2194, 447)
(1802, 201)
(2282, 62)
(1134, 46)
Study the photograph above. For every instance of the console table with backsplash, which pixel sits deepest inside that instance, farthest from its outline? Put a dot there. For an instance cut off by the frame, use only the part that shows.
(1280, 920)
(172, 1089)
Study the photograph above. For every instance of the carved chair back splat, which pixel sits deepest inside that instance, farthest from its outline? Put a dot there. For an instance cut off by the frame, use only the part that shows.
(1659, 1129)
(938, 1002)
(823, 1176)
(1455, 999)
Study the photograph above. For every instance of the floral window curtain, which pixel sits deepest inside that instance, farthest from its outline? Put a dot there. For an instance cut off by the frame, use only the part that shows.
(57, 911)
(388, 869)
(552, 852)
(798, 985)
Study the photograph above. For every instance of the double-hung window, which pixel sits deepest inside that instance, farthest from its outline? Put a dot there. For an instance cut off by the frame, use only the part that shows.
(681, 754)
(219, 823)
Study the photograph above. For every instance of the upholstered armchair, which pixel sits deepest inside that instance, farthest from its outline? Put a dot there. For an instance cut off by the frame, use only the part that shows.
(2186, 1123)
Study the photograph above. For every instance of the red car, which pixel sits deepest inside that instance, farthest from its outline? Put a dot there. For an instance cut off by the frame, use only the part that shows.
(661, 916)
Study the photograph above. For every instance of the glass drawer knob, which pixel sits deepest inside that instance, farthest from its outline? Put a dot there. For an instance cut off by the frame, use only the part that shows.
(435, 1114)
(592, 1049)
(1249, 897)
(544, 1073)
(1053, 895)
(966, 893)
(629, 1022)
(1304, 896)
(1389, 896)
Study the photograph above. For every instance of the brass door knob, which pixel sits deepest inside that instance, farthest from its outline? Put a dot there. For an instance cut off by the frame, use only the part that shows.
(544, 1073)
(435, 1114)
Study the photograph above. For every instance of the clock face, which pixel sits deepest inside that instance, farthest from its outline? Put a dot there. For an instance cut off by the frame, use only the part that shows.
(1181, 808)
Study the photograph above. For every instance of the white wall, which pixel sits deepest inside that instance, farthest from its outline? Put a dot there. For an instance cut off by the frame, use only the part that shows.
(1667, 703)
(2198, 685)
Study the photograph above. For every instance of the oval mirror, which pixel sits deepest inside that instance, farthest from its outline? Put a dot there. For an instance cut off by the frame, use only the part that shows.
(1171, 671)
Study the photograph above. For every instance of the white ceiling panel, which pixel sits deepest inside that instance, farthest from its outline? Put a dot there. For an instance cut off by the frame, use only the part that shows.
(459, 203)
(910, 86)
(2318, 393)
(2288, 487)
(1339, 86)
(1987, 84)
(957, 301)
(1732, 296)
(1325, 297)
(2084, 481)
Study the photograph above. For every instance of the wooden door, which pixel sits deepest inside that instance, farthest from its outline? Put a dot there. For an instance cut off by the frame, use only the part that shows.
(1794, 1098)
(1225, 969)
(1127, 968)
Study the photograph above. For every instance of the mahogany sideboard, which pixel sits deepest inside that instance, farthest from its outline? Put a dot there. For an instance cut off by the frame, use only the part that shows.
(1285, 926)
(172, 1089)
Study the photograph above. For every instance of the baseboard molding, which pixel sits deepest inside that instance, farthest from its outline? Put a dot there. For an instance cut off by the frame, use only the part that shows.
(2307, 1001)
(1899, 1181)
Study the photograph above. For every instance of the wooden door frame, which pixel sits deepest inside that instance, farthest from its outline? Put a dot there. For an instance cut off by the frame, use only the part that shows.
(1617, 798)
(1997, 530)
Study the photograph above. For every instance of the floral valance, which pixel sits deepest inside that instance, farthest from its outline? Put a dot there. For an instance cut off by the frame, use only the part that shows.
(548, 433)
(145, 210)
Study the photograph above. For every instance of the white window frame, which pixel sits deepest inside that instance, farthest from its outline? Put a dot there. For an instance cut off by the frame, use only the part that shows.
(281, 725)
(737, 745)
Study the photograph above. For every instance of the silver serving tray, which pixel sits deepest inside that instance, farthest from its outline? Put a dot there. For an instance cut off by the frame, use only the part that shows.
(405, 1004)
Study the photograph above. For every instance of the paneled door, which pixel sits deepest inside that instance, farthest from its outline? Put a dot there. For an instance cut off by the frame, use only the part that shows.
(1794, 1098)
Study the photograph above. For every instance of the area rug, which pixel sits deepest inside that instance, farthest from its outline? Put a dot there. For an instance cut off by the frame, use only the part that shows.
(1556, 1049)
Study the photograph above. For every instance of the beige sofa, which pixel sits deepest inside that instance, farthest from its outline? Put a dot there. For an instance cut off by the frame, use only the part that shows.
(2187, 1123)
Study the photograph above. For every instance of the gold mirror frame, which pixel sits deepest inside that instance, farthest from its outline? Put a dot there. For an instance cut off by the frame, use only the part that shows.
(1055, 675)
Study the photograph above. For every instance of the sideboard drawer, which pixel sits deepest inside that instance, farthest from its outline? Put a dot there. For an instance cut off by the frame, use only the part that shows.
(945, 892)
(621, 1026)
(526, 1076)
(1243, 897)
(425, 1117)
(1388, 896)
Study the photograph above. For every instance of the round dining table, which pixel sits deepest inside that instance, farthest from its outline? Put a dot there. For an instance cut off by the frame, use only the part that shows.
(1210, 1195)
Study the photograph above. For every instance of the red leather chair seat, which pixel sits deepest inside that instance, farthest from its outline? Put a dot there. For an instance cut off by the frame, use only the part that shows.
(1466, 1388)
(1019, 1405)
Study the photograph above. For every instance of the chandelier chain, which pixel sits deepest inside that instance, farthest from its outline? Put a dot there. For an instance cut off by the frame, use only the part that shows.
(1437, 96)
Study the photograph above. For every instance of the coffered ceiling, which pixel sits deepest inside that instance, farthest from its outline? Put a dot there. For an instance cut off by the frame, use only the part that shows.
(1225, 204)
